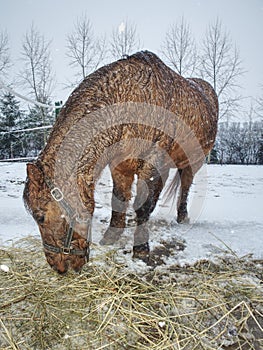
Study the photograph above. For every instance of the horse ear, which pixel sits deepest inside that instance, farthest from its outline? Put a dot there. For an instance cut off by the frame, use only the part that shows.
(34, 173)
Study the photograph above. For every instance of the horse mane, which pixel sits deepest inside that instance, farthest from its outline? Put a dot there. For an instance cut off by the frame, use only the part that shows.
(26, 197)
(27, 190)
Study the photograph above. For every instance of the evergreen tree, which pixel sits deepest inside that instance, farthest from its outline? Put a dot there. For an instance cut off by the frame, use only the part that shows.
(260, 150)
(34, 140)
(10, 120)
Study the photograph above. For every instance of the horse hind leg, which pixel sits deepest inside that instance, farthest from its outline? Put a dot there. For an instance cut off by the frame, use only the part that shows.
(186, 176)
(149, 186)
(121, 194)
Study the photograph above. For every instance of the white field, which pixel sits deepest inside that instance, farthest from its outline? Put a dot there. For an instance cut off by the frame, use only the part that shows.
(226, 212)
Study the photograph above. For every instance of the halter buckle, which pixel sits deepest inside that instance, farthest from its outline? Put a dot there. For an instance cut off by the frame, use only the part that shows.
(57, 194)
(66, 250)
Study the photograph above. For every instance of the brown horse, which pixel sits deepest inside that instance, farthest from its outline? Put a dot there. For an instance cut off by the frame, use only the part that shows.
(137, 116)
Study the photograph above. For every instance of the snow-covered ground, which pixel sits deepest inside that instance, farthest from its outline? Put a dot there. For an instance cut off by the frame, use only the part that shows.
(226, 212)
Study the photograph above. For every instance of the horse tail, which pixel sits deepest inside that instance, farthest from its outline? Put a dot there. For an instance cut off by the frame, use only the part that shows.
(171, 191)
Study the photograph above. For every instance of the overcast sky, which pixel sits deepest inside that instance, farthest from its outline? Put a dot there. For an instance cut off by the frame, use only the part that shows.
(55, 19)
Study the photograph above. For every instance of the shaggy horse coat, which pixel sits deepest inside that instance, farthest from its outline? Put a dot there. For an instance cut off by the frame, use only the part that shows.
(137, 116)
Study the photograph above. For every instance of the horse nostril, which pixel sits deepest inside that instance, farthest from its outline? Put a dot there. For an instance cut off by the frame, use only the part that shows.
(61, 268)
(78, 269)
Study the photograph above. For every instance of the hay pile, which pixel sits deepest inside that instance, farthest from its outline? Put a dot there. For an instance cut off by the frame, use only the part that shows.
(205, 306)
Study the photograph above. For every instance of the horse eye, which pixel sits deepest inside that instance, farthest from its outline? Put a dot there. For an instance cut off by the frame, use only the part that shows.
(40, 219)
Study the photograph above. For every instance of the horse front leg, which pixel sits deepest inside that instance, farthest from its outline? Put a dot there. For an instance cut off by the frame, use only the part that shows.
(186, 176)
(121, 194)
(149, 186)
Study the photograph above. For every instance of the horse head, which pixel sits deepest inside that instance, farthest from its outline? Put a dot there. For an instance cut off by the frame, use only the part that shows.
(63, 232)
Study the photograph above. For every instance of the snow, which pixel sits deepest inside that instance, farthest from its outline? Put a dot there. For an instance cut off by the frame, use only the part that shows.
(121, 28)
(225, 216)
(4, 268)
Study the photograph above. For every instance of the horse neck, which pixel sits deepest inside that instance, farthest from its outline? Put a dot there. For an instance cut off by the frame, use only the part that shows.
(61, 162)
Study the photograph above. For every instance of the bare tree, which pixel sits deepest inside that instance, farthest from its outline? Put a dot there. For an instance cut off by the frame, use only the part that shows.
(239, 142)
(124, 40)
(37, 76)
(4, 53)
(221, 66)
(179, 48)
(260, 105)
(84, 50)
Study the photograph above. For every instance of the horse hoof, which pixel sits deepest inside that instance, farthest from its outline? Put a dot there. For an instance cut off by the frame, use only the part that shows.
(142, 252)
(109, 240)
(111, 236)
(183, 219)
(106, 241)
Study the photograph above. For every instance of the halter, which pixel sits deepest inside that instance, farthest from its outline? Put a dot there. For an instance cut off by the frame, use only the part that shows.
(67, 249)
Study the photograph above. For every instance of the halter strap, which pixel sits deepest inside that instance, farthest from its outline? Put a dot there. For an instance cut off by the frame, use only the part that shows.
(66, 251)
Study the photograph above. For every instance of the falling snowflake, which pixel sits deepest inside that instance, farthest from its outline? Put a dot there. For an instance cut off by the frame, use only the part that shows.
(121, 28)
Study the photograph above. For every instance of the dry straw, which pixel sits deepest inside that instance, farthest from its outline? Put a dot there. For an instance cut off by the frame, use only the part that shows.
(107, 306)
